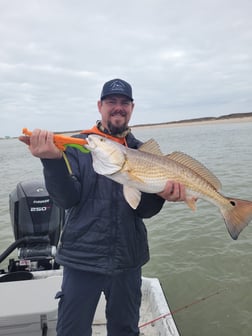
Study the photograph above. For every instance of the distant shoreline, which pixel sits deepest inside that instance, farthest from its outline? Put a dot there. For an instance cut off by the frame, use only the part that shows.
(230, 118)
(203, 121)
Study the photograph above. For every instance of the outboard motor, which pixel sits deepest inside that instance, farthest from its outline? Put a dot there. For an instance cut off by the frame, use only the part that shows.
(37, 224)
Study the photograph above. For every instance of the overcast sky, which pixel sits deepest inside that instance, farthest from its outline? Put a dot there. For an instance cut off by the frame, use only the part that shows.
(184, 59)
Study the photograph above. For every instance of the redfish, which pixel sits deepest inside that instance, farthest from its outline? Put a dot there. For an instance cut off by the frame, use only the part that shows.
(147, 170)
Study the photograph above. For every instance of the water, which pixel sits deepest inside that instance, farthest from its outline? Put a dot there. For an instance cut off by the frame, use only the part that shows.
(191, 252)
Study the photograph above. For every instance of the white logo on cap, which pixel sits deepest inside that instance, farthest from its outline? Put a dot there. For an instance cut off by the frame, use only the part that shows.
(117, 85)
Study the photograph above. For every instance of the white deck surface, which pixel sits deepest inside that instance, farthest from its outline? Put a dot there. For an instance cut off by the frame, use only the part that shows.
(26, 304)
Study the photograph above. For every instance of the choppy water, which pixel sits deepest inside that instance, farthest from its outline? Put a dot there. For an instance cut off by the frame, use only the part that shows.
(191, 252)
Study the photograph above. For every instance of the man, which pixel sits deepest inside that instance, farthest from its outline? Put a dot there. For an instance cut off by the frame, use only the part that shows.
(104, 241)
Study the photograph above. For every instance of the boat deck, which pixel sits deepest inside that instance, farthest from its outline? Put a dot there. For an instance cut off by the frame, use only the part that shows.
(155, 316)
(30, 304)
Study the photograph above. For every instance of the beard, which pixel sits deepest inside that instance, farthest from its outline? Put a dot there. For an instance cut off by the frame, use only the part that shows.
(114, 130)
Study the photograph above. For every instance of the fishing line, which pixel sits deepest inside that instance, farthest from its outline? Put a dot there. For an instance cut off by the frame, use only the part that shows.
(182, 308)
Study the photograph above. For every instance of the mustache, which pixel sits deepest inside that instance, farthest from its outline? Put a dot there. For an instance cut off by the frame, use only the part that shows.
(118, 112)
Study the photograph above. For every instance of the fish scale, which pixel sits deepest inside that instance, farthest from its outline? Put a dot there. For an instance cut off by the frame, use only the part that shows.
(158, 170)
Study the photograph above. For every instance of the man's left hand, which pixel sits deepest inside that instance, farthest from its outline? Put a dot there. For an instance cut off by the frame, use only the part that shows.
(173, 192)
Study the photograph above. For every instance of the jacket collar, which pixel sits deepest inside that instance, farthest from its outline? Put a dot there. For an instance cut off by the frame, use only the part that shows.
(98, 129)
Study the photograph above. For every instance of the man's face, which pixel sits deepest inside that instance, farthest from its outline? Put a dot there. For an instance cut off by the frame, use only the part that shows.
(116, 112)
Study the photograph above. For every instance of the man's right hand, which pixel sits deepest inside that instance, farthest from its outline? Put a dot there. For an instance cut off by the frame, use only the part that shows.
(41, 144)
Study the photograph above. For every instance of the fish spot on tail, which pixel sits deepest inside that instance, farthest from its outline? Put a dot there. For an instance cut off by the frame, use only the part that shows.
(237, 216)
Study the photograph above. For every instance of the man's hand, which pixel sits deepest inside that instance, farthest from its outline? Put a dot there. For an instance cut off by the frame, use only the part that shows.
(173, 192)
(41, 144)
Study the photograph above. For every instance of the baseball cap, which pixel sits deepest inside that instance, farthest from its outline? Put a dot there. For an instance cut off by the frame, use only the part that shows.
(116, 86)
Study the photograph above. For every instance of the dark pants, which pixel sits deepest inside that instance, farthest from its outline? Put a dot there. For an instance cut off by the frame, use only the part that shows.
(81, 292)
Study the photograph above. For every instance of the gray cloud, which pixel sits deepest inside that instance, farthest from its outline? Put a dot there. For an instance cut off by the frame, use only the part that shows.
(184, 59)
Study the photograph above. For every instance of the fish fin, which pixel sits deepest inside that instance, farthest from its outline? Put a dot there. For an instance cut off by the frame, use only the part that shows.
(132, 196)
(237, 216)
(134, 177)
(151, 146)
(197, 167)
(130, 172)
(191, 202)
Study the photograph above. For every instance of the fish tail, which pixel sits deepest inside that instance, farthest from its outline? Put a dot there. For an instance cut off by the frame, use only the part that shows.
(237, 215)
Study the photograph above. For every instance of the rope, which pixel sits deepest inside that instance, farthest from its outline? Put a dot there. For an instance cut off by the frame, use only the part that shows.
(67, 163)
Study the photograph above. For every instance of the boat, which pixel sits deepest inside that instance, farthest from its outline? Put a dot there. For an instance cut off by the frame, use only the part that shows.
(28, 286)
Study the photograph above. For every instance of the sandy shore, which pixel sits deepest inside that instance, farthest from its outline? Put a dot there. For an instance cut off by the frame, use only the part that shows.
(197, 122)
(178, 124)
(183, 123)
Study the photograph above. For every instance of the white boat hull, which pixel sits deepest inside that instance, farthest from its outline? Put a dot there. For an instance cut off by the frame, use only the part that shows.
(29, 306)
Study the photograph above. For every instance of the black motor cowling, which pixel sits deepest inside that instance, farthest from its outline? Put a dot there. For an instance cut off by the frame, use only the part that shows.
(36, 220)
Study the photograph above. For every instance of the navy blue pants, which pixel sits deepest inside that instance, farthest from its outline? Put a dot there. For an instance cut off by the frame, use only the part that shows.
(80, 295)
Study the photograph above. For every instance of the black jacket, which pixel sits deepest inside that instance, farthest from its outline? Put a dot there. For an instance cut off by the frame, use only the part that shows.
(102, 232)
